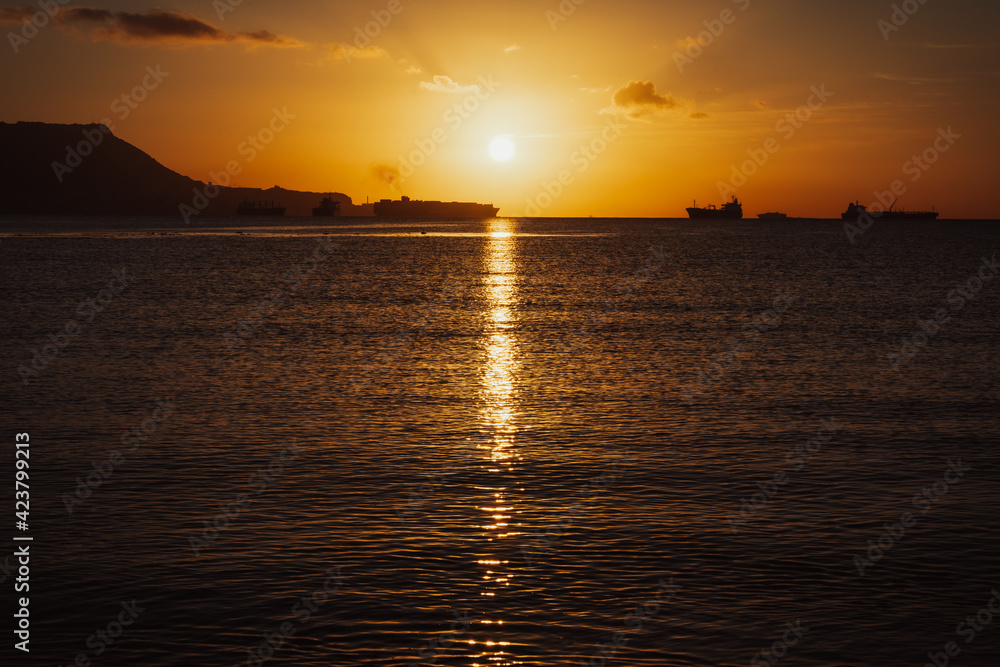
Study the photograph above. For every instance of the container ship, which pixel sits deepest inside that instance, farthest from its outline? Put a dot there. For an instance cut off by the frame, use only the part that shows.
(730, 211)
(856, 210)
(260, 209)
(409, 208)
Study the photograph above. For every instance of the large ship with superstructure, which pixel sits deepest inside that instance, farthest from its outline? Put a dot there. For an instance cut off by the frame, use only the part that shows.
(415, 208)
(732, 210)
(857, 209)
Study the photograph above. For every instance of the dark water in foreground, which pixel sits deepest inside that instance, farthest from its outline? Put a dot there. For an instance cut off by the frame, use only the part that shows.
(456, 396)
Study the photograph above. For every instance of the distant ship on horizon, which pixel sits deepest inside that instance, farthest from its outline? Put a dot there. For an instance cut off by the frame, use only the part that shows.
(732, 210)
(260, 209)
(773, 216)
(857, 209)
(415, 208)
(328, 208)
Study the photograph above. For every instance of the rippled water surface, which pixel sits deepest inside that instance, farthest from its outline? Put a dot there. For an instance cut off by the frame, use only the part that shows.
(507, 442)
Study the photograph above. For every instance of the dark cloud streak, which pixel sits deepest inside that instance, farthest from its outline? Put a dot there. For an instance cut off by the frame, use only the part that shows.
(153, 27)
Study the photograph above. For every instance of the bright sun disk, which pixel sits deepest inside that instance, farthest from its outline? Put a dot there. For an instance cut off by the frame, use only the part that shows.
(502, 149)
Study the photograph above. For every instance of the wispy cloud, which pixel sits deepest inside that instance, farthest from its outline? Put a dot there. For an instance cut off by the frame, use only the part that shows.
(511, 49)
(959, 46)
(912, 80)
(445, 84)
(153, 27)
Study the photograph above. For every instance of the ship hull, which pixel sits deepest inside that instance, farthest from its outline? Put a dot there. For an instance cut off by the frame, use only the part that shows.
(263, 212)
(712, 214)
(894, 215)
(434, 209)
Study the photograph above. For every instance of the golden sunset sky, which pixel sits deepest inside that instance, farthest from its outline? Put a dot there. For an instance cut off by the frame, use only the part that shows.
(636, 104)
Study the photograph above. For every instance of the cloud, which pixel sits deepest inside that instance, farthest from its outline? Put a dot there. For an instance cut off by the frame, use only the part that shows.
(386, 174)
(511, 49)
(699, 115)
(445, 84)
(349, 52)
(958, 46)
(912, 80)
(153, 27)
(759, 104)
(638, 99)
(15, 14)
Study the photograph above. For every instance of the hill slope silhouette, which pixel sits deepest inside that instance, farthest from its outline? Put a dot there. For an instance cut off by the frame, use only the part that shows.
(113, 178)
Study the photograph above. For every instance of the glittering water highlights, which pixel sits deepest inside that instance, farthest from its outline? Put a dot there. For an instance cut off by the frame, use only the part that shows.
(507, 442)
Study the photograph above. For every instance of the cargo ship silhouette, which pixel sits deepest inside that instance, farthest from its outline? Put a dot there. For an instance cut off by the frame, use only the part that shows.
(259, 208)
(328, 208)
(732, 210)
(410, 208)
(856, 210)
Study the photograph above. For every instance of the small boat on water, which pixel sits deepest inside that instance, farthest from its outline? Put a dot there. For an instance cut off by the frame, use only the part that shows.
(260, 209)
(732, 210)
(773, 216)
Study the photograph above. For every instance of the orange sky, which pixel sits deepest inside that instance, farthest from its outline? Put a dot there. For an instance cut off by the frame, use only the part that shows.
(678, 107)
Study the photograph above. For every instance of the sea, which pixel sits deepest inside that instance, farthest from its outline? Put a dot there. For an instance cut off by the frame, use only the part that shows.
(537, 442)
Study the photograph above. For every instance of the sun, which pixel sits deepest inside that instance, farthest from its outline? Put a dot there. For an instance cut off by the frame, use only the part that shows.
(502, 149)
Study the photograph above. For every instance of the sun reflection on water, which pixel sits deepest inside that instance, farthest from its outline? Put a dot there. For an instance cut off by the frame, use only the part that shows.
(499, 400)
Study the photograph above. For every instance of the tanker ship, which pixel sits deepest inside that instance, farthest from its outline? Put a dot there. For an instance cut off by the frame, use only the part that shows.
(729, 211)
(410, 208)
(857, 209)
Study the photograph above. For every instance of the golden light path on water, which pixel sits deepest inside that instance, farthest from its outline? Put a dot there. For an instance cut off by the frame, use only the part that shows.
(499, 397)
